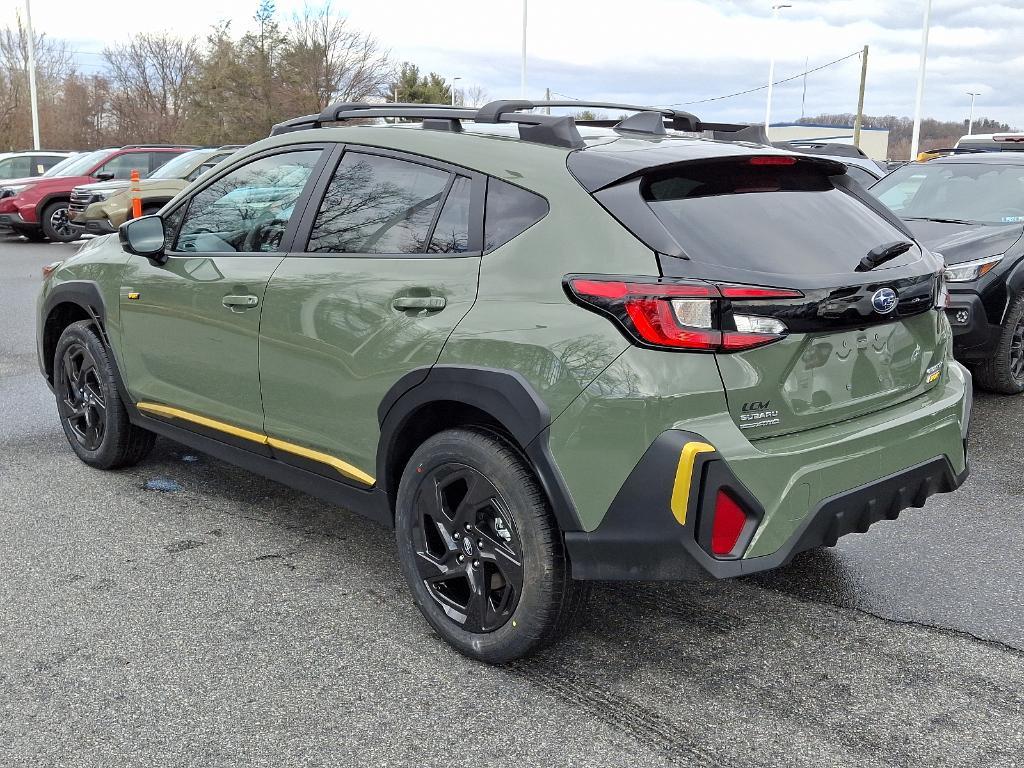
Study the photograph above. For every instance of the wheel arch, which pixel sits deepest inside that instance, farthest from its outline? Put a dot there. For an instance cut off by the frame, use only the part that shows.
(429, 400)
(68, 303)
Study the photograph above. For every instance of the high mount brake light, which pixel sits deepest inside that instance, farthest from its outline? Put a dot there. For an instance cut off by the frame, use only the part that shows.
(773, 160)
(678, 315)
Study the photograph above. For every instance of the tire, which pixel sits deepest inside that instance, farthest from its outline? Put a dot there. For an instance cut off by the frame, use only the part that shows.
(31, 234)
(1003, 372)
(91, 411)
(474, 596)
(55, 223)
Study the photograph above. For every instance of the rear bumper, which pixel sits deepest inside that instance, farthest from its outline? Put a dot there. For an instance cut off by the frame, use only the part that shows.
(638, 541)
(801, 492)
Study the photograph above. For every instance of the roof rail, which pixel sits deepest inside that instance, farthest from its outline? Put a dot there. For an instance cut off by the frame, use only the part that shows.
(158, 146)
(554, 130)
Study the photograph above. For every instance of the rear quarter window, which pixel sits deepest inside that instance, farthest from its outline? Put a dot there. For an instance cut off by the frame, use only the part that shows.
(510, 211)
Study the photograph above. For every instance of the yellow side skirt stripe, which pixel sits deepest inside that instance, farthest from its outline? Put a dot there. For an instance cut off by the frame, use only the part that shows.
(684, 476)
(342, 467)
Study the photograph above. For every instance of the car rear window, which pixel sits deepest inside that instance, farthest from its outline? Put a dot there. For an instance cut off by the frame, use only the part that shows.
(783, 219)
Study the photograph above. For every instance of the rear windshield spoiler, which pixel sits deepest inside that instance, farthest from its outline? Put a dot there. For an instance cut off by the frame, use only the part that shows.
(596, 170)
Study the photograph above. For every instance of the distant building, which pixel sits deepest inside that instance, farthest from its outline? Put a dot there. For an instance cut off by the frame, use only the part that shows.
(874, 141)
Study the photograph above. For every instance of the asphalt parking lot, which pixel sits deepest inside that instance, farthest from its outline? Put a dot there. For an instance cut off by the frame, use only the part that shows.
(185, 612)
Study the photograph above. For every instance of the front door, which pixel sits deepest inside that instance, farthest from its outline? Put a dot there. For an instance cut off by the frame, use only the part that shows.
(191, 325)
(389, 269)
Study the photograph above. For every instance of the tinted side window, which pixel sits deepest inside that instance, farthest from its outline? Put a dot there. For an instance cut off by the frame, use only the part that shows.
(157, 159)
(249, 209)
(46, 162)
(451, 234)
(377, 205)
(16, 167)
(122, 165)
(510, 211)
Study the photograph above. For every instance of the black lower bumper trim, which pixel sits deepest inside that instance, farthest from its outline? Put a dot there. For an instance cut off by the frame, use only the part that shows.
(640, 540)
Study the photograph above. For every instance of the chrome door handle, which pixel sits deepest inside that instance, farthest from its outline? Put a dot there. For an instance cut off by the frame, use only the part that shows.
(433, 303)
(240, 302)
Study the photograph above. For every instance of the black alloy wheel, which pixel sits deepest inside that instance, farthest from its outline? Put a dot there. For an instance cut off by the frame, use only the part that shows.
(467, 547)
(83, 406)
(56, 224)
(92, 414)
(480, 548)
(1017, 350)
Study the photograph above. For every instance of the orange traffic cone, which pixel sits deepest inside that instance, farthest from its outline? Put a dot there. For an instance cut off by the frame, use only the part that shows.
(136, 201)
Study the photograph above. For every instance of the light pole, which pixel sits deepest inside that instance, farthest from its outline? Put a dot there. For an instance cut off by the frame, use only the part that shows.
(915, 141)
(453, 89)
(522, 69)
(34, 96)
(771, 66)
(970, 122)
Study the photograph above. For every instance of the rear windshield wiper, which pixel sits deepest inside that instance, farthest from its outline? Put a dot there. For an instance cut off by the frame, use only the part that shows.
(941, 221)
(883, 253)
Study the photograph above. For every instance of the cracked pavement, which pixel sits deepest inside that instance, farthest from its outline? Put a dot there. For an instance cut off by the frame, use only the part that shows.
(185, 612)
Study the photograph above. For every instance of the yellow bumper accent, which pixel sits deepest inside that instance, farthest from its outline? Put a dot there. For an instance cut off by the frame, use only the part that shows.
(342, 467)
(684, 476)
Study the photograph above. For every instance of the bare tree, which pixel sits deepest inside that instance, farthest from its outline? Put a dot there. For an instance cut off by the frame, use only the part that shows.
(325, 60)
(474, 96)
(53, 65)
(151, 78)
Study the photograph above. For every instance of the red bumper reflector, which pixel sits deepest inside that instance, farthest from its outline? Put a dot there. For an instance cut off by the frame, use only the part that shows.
(728, 524)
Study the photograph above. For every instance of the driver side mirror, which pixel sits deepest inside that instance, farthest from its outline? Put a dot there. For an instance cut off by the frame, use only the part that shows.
(144, 236)
(104, 176)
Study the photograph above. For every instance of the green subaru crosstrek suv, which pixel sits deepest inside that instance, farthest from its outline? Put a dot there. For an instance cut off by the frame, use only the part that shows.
(545, 353)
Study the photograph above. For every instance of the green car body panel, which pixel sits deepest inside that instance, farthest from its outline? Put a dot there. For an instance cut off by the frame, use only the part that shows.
(311, 362)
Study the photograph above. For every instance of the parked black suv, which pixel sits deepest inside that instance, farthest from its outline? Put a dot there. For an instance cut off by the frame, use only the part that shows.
(970, 208)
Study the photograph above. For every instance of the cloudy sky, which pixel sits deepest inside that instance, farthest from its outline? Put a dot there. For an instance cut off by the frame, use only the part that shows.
(657, 51)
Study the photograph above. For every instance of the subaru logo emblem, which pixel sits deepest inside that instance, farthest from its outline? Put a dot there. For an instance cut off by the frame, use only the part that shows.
(884, 300)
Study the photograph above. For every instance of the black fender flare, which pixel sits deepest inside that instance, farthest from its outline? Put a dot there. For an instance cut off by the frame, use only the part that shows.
(505, 395)
(51, 198)
(83, 293)
(1014, 286)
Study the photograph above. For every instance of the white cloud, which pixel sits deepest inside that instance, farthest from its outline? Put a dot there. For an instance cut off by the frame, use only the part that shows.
(658, 51)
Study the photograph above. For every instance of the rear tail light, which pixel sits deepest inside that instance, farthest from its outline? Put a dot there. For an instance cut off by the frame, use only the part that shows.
(692, 316)
(727, 526)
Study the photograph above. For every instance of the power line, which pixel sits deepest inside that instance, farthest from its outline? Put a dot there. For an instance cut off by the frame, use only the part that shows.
(762, 87)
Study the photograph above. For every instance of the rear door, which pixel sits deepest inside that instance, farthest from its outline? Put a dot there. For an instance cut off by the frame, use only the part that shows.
(856, 341)
(388, 269)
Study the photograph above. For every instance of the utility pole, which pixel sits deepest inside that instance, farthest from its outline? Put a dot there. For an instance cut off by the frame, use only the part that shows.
(522, 70)
(771, 67)
(453, 89)
(803, 99)
(32, 75)
(547, 97)
(970, 122)
(859, 122)
(915, 141)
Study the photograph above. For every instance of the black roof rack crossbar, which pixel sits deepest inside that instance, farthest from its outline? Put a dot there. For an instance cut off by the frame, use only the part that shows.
(554, 130)
(543, 129)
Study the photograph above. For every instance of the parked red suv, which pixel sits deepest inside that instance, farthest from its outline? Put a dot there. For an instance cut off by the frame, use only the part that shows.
(38, 207)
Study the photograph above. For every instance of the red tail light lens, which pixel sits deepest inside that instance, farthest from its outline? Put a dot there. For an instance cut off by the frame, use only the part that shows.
(727, 525)
(678, 315)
